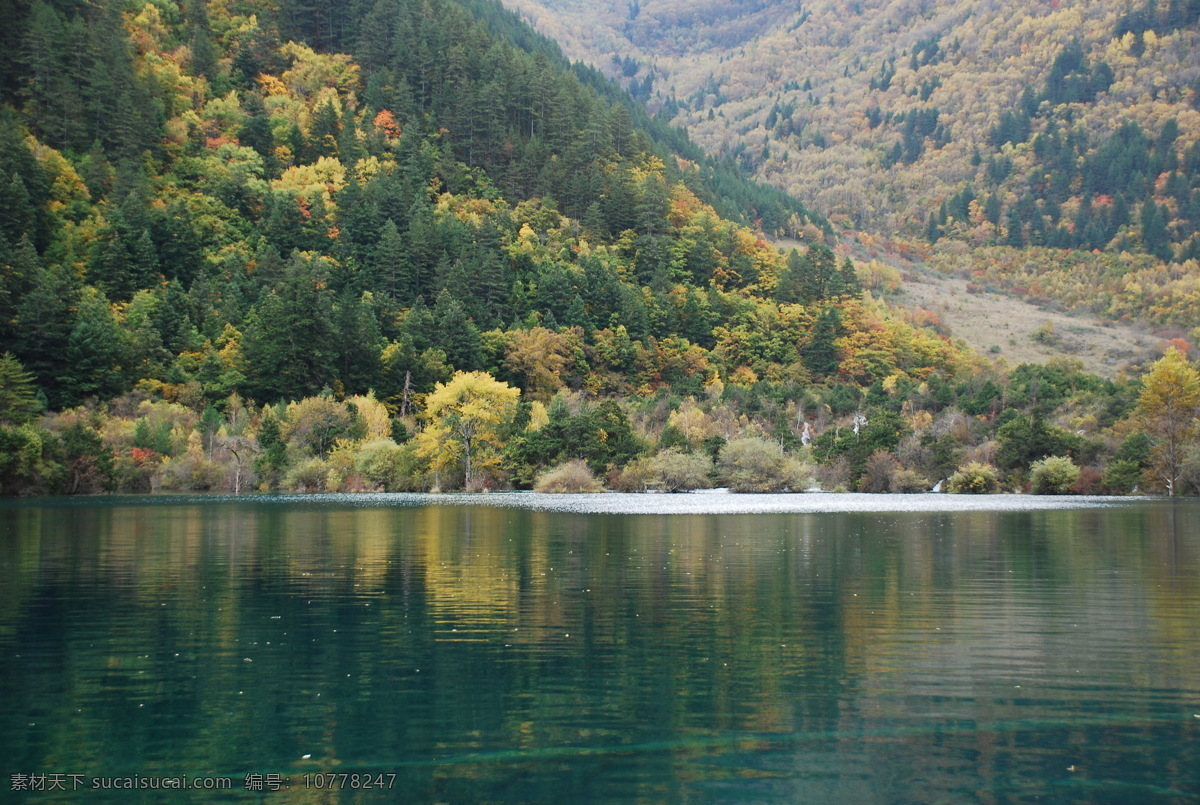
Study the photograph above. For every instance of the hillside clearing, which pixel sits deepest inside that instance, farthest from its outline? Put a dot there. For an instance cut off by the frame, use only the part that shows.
(1023, 332)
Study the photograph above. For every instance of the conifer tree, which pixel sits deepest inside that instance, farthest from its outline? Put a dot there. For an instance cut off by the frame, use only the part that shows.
(18, 397)
(821, 356)
(289, 342)
(455, 334)
(96, 353)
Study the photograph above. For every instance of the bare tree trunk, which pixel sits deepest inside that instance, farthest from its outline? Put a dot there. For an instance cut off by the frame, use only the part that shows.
(467, 450)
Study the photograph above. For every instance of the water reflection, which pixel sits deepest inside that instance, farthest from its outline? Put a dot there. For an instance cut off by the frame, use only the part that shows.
(516, 654)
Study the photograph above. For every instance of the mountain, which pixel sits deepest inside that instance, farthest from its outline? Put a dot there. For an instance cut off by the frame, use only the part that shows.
(406, 244)
(176, 175)
(1056, 125)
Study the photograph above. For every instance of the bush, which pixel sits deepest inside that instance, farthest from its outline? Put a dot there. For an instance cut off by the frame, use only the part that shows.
(757, 465)
(392, 467)
(1090, 482)
(884, 473)
(834, 476)
(315, 424)
(973, 479)
(570, 477)
(307, 476)
(190, 472)
(1121, 477)
(25, 464)
(636, 476)
(1053, 475)
(877, 472)
(676, 471)
(909, 481)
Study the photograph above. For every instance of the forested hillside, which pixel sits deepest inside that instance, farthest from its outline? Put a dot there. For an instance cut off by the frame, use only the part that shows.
(405, 245)
(1059, 124)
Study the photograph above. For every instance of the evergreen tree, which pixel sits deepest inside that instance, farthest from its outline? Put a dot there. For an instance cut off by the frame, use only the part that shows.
(1154, 230)
(18, 397)
(391, 271)
(455, 334)
(112, 268)
(289, 342)
(1014, 236)
(16, 211)
(96, 353)
(791, 286)
(256, 133)
(822, 269)
(19, 267)
(358, 342)
(849, 279)
(821, 355)
(324, 133)
(45, 319)
(284, 226)
(272, 457)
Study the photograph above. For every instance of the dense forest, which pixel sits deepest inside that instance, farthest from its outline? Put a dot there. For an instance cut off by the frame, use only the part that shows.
(406, 245)
(1055, 125)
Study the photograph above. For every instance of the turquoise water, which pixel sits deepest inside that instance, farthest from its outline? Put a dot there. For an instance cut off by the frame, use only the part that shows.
(520, 648)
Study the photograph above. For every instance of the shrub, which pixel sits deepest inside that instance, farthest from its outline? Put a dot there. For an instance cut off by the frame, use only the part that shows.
(757, 465)
(884, 473)
(973, 479)
(314, 424)
(1090, 482)
(191, 472)
(570, 477)
(25, 466)
(636, 476)
(341, 474)
(909, 481)
(676, 471)
(877, 472)
(1053, 475)
(1122, 476)
(388, 466)
(307, 476)
(834, 476)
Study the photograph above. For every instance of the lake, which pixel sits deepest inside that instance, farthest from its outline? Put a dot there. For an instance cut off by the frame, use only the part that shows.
(605, 648)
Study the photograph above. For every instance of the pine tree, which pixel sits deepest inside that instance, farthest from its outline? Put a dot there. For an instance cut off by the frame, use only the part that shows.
(256, 133)
(821, 356)
(19, 266)
(45, 318)
(112, 268)
(791, 286)
(284, 227)
(358, 342)
(18, 397)
(822, 267)
(1154, 230)
(849, 279)
(96, 352)
(323, 133)
(16, 210)
(391, 271)
(1014, 237)
(289, 343)
(272, 457)
(455, 334)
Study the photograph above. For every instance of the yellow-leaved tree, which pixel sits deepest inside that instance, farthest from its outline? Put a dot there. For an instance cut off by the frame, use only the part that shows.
(465, 418)
(1168, 407)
